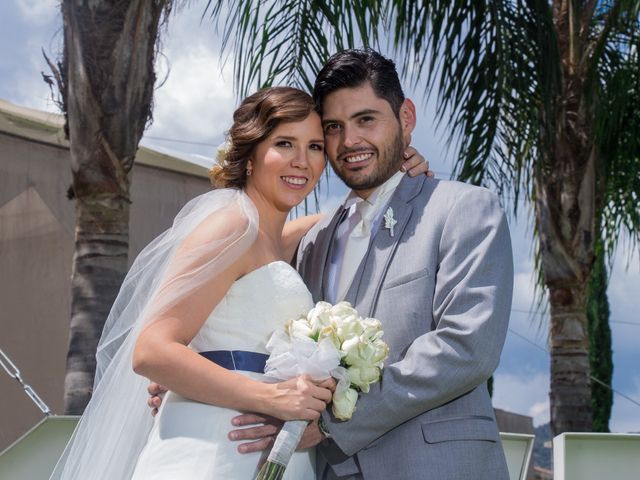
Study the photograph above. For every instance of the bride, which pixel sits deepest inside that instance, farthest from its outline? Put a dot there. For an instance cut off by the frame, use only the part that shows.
(197, 308)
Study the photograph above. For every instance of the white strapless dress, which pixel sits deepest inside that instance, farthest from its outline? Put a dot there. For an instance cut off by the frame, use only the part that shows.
(189, 439)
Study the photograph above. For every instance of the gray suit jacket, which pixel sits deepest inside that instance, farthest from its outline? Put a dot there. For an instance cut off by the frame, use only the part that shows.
(441, 286)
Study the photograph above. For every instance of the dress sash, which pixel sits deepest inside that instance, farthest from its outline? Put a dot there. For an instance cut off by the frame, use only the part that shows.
(238, 360)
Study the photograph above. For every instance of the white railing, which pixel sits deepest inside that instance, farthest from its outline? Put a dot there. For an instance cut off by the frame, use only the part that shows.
(596, 456)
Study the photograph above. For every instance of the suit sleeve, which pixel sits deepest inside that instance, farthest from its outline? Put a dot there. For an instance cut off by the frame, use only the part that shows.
(471, 306)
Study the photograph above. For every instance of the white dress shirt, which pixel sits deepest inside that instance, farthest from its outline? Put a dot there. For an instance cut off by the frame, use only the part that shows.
(361, 219)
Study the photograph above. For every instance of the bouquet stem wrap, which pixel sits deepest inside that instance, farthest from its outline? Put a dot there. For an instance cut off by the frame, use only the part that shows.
(283, 448)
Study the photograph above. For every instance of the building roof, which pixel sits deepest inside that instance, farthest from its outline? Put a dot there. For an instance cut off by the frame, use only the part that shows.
(47, 128)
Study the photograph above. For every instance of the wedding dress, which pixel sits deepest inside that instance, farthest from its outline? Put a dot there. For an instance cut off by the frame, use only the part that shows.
(189, 439)
(117, 437)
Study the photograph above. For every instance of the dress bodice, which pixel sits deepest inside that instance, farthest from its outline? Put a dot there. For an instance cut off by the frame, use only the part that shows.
(189, 438)
(254, 307)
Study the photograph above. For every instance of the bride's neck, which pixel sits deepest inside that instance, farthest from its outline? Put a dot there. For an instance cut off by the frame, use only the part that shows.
(271, 219)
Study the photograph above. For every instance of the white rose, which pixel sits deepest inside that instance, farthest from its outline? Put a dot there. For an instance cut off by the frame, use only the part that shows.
(343, 310)
(350, 349)
(348, 328)
(344, 403)
(362, 377)
(319, 316)
(329, 332)
(299, 328)
(363, 353)
(371, 329)
(380, 353)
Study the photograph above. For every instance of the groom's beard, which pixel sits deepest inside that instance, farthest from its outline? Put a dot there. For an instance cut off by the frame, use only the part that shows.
(387, 163)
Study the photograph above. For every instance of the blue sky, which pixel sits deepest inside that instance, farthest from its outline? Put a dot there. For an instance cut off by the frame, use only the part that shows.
(195, 104)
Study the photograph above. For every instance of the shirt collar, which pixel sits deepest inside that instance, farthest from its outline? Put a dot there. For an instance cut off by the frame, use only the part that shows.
(379, 195)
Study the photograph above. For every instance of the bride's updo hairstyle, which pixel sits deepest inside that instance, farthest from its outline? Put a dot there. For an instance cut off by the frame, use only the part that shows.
(254, 120)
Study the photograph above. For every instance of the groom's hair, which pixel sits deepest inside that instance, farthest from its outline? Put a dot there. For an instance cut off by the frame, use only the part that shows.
(352, 68)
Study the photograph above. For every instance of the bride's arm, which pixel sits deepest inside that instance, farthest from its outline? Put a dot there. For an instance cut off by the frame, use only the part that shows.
(161, 351)
(294, 230)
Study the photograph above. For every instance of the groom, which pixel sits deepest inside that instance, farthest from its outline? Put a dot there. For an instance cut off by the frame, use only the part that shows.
(432, 261)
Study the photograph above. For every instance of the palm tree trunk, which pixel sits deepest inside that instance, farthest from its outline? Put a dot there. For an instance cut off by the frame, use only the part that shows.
(99, 267)
(570, 378)
(565, 218)
(565, 223)
(107, 79)
(565, 201)
(565, 277)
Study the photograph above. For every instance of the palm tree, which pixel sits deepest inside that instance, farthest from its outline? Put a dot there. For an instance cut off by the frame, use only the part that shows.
(543, 96)
(106, 81)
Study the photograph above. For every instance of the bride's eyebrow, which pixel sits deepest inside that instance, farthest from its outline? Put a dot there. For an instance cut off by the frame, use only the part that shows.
(292, 139)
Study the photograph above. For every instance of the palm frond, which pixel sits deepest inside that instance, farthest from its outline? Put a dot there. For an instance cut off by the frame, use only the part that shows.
(494, 65)
(616, 131)
(288, 41)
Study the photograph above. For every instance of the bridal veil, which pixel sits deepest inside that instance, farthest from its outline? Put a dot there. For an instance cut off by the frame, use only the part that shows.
(116, 423)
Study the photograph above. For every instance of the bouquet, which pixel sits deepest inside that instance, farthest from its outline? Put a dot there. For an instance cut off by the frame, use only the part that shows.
(331, 340)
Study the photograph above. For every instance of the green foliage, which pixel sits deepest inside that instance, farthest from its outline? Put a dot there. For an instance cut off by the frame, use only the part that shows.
(287, 41)
(495, 66)
(600, 354)
(617, 114)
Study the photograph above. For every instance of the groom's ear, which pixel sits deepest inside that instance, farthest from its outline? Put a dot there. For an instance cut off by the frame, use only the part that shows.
(407, 119)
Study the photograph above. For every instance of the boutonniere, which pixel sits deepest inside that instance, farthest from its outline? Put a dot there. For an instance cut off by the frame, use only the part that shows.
(389, 221)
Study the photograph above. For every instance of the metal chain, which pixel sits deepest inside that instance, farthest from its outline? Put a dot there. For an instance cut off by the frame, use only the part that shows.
(14, 373)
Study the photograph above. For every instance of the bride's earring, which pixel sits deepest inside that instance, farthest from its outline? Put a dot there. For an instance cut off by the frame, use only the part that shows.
(249, 170)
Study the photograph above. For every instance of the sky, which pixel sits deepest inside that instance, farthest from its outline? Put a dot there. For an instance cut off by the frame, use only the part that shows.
(193, 109)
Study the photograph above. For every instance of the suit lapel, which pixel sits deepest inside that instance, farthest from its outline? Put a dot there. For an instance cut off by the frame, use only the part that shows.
(369, 277)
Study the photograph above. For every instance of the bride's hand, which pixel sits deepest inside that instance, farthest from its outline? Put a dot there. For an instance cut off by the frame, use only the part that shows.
(415, 164)
(300, 398)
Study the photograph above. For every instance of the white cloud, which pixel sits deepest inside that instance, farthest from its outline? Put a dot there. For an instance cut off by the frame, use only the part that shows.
(524, 288)
(196, 102)
(32, 29)
(525, 393)
(31, 90)
(526, 319)
(38, 12)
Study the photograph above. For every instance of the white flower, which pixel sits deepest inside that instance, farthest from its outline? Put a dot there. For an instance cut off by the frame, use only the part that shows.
(380, 353)
(346, 320)
(349, 328)
(299, 328)
(362, 377)
(344, 403)
(329, 332)
(363, 353)
(222, 151)
(343, 310)
(371, 329)
(389, 220)
(319, 316)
